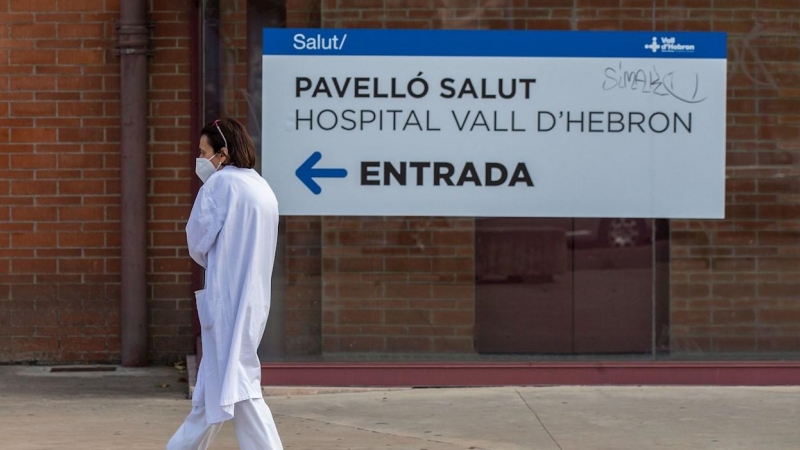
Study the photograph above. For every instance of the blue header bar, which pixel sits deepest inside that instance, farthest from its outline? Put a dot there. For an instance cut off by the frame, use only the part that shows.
(566, 44)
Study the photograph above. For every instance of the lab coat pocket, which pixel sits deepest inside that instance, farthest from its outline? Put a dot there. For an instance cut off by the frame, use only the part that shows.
(204, 310)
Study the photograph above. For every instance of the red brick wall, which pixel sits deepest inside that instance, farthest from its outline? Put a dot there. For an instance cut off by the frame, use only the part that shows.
(59, 181)
(398, 284)
(303, 320)
(234, 59)
(736, 282)
(303, 13)
(169, 174)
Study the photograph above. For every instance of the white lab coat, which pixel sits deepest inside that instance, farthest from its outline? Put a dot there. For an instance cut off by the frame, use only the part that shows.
(232, 232)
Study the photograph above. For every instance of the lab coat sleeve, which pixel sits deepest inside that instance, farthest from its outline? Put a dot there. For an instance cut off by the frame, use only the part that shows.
(204, 225)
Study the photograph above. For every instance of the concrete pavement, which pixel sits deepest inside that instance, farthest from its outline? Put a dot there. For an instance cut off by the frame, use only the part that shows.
(139, 409)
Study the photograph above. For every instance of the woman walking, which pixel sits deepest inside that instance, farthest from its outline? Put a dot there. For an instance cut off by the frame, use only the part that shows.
(232, 233)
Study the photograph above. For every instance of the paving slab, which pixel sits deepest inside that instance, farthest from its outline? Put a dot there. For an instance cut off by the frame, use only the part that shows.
(141, 408)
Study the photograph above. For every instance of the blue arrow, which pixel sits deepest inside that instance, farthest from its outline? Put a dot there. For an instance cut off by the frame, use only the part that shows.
(306, 173)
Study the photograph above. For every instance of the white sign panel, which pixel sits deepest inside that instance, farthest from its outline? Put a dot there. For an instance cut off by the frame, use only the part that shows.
(495, 123)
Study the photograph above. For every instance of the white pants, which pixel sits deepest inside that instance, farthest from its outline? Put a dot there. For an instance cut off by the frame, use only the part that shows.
(252, 422)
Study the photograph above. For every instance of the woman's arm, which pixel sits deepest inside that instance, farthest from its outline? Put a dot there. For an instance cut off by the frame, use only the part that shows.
(204, 225)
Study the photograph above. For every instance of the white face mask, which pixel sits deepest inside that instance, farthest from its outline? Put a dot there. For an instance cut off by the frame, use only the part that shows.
(205, 168)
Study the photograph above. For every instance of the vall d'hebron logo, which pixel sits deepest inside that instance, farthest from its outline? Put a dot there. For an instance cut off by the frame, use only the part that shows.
(668, 45)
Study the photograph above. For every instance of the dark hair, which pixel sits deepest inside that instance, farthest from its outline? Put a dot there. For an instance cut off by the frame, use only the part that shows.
(241, 151)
